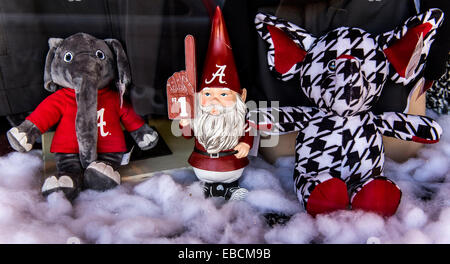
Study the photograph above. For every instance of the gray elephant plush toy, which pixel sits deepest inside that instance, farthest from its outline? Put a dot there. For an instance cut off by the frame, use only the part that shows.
(89, 142)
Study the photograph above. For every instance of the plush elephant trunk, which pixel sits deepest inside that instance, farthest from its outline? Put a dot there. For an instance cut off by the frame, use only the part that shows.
(86, 121)
(349, 84)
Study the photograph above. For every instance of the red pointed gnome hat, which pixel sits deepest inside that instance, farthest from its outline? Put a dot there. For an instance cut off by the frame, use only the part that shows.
(219, 70)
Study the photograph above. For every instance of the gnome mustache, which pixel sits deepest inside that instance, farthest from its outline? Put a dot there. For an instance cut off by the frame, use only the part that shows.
(221, 131)
(220, 109)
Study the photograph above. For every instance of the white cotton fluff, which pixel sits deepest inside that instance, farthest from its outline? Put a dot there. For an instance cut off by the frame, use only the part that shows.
(170, 207)
(439, 231)
(349, 227)
(271, 201)
(299, 230)
(284, 168)
(413, 217)
(20, 170)
(415, 236)
(260, 179)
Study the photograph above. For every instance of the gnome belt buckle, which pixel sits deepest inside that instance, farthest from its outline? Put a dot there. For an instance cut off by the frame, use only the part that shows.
(214, 155)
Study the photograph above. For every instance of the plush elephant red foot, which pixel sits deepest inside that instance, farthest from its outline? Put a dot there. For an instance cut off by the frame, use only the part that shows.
(378, 195)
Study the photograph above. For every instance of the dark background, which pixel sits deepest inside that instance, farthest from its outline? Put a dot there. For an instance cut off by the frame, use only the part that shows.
(152, 33)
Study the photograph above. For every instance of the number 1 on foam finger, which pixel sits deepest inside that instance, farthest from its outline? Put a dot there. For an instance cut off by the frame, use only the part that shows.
(182, 101)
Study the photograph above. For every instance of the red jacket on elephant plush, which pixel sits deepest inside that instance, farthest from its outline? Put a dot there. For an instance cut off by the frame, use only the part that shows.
(62, 107)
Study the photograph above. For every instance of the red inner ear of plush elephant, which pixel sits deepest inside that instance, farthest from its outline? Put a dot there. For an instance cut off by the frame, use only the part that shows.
(402, 50)
(287, 52)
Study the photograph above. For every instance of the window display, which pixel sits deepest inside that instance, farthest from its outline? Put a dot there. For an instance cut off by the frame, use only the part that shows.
(143, 123)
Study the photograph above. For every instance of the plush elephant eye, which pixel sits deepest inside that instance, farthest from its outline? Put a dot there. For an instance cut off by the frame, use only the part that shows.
(68, 56)
(332, 65)
(100, 54)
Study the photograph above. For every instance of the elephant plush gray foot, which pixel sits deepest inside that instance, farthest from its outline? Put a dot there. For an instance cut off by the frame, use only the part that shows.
(102, 174)
(68, 178)
(62, 183)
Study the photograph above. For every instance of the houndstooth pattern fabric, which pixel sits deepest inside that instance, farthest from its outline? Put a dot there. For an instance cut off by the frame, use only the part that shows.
(328, 88)
(343, 73)
(438, 95)
(367, 49)
(300, 36)
(408, 127)
(349, 148)
(435, 18)
(315, 75)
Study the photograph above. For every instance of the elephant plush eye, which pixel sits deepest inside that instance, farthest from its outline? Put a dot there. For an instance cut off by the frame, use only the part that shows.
(100, 54)
(68, 56)
(332, 65)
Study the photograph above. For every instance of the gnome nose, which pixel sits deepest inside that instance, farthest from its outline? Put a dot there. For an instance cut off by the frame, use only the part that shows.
(215, 100)
(214, 110)
(211, 100)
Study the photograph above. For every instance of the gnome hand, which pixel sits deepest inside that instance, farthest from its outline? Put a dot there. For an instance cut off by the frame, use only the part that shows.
(185, 122)
(242, 149)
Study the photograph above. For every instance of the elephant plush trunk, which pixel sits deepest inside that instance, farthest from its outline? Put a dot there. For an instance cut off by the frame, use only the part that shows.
(86, 121)
(349, 86)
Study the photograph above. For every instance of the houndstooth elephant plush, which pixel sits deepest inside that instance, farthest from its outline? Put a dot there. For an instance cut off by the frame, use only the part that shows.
(339, 147)
(89, 141)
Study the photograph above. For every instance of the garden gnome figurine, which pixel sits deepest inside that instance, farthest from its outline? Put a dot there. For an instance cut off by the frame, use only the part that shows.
(219, 126)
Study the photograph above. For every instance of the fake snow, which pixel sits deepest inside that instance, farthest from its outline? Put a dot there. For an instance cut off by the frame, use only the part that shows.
(170, 208)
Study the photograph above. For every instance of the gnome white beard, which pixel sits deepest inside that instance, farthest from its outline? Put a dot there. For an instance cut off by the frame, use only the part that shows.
(219, 132)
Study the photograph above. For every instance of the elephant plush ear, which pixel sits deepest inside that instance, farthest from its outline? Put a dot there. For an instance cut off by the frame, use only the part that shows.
(53, 44)
(287, 44)
(123, 67)
(407, 46)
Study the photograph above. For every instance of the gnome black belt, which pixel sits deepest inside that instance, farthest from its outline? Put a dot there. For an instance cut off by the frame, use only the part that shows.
(216, 155)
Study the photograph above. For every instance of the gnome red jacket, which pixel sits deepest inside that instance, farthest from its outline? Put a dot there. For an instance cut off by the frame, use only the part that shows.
(61, 107)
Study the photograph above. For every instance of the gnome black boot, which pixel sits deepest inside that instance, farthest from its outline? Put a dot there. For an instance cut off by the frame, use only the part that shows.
(102, 175)
(236, 193)
(229, 191)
